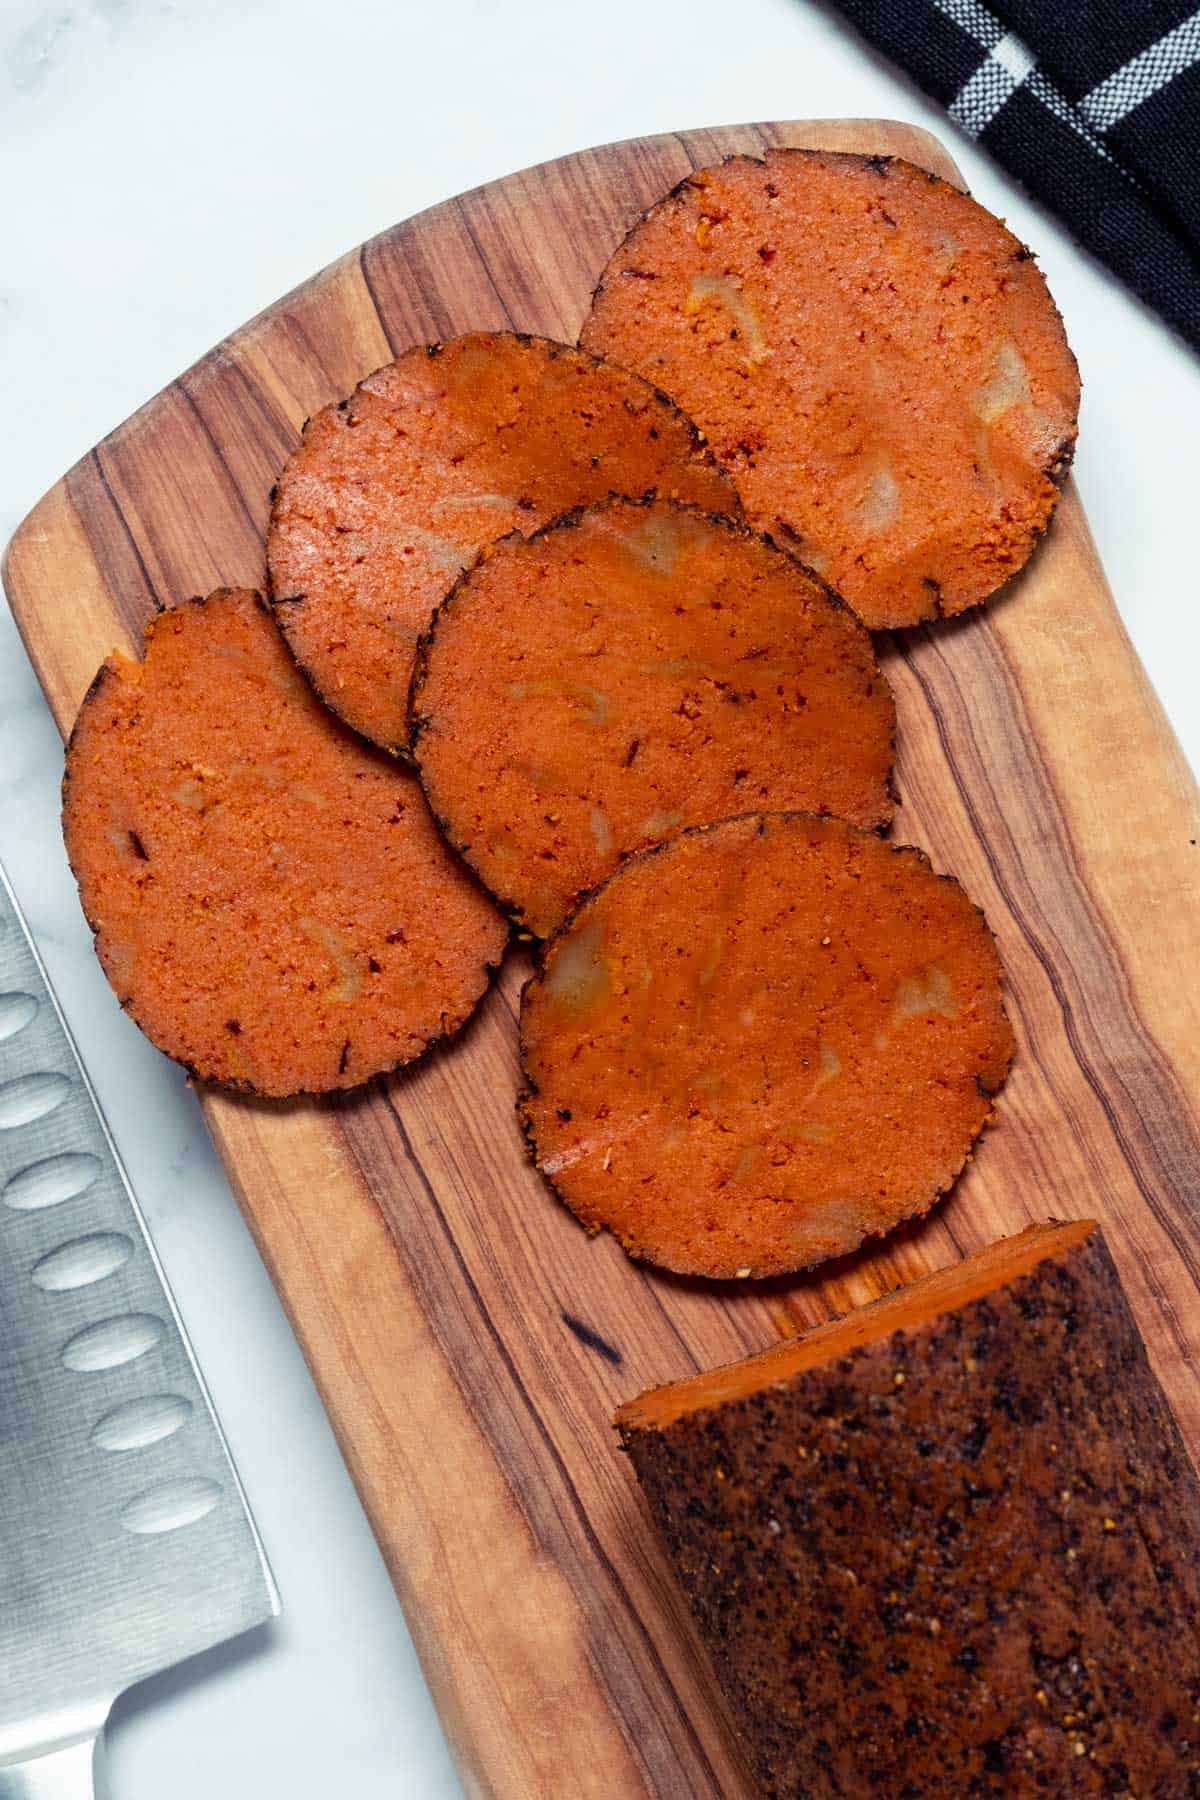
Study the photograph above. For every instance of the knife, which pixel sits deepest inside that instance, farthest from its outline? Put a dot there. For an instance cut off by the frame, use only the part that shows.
(126, 1543)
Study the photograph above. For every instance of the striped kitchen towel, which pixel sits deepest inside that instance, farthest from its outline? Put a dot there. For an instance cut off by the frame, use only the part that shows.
(1095, 106)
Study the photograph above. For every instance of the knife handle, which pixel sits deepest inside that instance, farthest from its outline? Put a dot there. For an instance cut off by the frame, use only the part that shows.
(68, 1774)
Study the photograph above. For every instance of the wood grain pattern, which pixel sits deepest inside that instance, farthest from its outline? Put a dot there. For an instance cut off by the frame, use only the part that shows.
(468, 1340)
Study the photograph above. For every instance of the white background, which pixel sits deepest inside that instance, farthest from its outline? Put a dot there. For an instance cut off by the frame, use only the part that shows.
(166, 170)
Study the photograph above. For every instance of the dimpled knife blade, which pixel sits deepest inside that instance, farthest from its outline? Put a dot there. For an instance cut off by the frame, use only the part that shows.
(125, 1540)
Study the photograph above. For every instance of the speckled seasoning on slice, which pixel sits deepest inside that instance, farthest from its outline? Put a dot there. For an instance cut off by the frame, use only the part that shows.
(947, 1547)
(271, 900)
(393, 491)
(874, 357)
(635, 667)
(762, 1042)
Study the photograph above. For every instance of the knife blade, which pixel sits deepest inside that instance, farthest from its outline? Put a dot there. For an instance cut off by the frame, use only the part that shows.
(126, 1542)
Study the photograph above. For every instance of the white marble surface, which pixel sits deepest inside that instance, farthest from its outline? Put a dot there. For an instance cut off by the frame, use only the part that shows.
(168, 167)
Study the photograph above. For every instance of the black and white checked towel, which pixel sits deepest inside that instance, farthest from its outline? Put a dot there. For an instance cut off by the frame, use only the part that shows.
(1093, 104)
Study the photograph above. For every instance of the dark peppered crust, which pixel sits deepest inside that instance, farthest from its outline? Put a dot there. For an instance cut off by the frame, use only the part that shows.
(1056, 468)
(961, 1561)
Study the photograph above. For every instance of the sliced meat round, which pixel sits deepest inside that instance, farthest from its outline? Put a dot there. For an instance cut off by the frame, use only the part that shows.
(874, 357)
(272, 902)
(393, 491)
(632, 668)
(762, 1042)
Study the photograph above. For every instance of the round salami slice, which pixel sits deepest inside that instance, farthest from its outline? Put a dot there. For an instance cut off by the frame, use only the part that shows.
(761, 1043)
(272, 902)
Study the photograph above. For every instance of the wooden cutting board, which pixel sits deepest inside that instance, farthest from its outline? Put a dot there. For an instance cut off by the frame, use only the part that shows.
(468, 1340)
